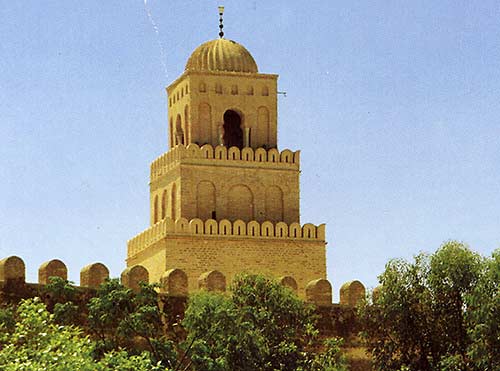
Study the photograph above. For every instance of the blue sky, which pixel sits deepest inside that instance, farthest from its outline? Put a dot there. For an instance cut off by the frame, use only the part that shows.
(394, 105)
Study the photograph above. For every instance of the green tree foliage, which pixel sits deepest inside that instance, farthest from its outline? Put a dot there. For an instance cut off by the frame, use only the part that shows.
(61, 295)
(120, 318)
(439, 312)
(38, 343)
(261, 325)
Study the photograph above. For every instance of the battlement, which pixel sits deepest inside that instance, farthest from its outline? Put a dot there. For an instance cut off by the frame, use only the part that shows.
(224, 228)
(246, 157)
(173, 282)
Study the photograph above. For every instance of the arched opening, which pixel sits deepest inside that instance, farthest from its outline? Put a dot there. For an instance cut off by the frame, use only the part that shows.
(155, 210)
(164, 205)
(173, 203)
(187, 129)
(179, 133)
(240, 203)
(233, 134)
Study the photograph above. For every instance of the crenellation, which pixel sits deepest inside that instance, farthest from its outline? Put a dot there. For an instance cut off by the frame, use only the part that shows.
(12, 270)
(223, 227)
(132, 277)
(175, 281)
(352, 293)
(212, 281)
(52, 268)
(289, 281)
(245, 157)
(93, 275)
(319, 292)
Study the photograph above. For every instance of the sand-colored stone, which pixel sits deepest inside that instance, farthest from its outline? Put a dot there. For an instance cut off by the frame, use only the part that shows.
(174, 282)
(289, 282)
(212, 281)
(352, 293)
(223, 197)
(319, 292)
(52, 268)
(12, 270)
(132, 276)
(93, 275)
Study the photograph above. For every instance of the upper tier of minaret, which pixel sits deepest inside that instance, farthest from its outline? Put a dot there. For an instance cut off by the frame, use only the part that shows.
(222, 99)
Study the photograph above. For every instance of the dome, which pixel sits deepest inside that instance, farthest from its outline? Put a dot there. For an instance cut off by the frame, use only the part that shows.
(221, 55)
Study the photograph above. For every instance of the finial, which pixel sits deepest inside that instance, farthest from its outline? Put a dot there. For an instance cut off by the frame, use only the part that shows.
(221, 26)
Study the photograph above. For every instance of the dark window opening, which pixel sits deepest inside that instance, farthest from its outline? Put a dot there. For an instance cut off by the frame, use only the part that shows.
(233, 134)
(213, 215)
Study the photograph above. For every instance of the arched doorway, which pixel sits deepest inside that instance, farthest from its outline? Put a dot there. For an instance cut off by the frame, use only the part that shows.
(233, 134)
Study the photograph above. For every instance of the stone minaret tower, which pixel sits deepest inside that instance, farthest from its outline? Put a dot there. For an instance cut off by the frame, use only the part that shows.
(224, 197)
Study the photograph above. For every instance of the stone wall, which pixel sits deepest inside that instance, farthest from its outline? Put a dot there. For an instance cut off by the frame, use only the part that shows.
(196, 247)
(222, 183)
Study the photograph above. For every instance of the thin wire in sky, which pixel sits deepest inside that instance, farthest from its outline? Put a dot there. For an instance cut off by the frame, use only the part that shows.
(158, 39)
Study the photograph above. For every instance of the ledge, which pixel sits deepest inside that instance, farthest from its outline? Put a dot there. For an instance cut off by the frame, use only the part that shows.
(223, 228)
(247, 157)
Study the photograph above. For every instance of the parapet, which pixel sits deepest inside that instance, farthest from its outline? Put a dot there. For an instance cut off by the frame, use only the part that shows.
(212, 281)
(224, 228)
(131, 277)
(192, 153)
(12, 270)
(52, 268)
(352, 293)
(174, 282)
(289, 281)
(93, 275)
(319, 292)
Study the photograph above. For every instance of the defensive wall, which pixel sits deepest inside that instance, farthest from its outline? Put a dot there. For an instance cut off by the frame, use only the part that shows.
(174, 282)
(334, 319)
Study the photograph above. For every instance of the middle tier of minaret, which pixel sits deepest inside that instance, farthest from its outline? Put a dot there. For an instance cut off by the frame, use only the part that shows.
(220, 183)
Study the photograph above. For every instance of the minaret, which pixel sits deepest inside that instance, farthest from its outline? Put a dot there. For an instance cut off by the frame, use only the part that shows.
(223, 197)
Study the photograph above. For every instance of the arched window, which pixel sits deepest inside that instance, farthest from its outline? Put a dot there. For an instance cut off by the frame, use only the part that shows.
(205, 200)
(179, 133)
(155, 210)
(233, 133)
(234, 90)
(203, 87)
(265, 91)
(172, 135)
(173, 203)
(164, 204)
(187, 130)
(263, 126)
(240, 203)
(274, 204)
(205, 123)
(218, 88)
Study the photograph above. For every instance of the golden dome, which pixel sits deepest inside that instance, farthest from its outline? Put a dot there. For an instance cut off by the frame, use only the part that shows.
(221, 55)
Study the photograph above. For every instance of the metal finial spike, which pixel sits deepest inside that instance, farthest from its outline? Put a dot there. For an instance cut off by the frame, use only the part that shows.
(221, 26)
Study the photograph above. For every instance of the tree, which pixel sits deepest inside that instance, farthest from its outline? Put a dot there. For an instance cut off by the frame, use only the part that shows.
(120, 318)
(484, 317)
(429, 314)
(38, 343)
(261, 325)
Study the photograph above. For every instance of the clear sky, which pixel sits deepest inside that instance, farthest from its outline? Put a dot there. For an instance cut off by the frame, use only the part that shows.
(395, 106)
